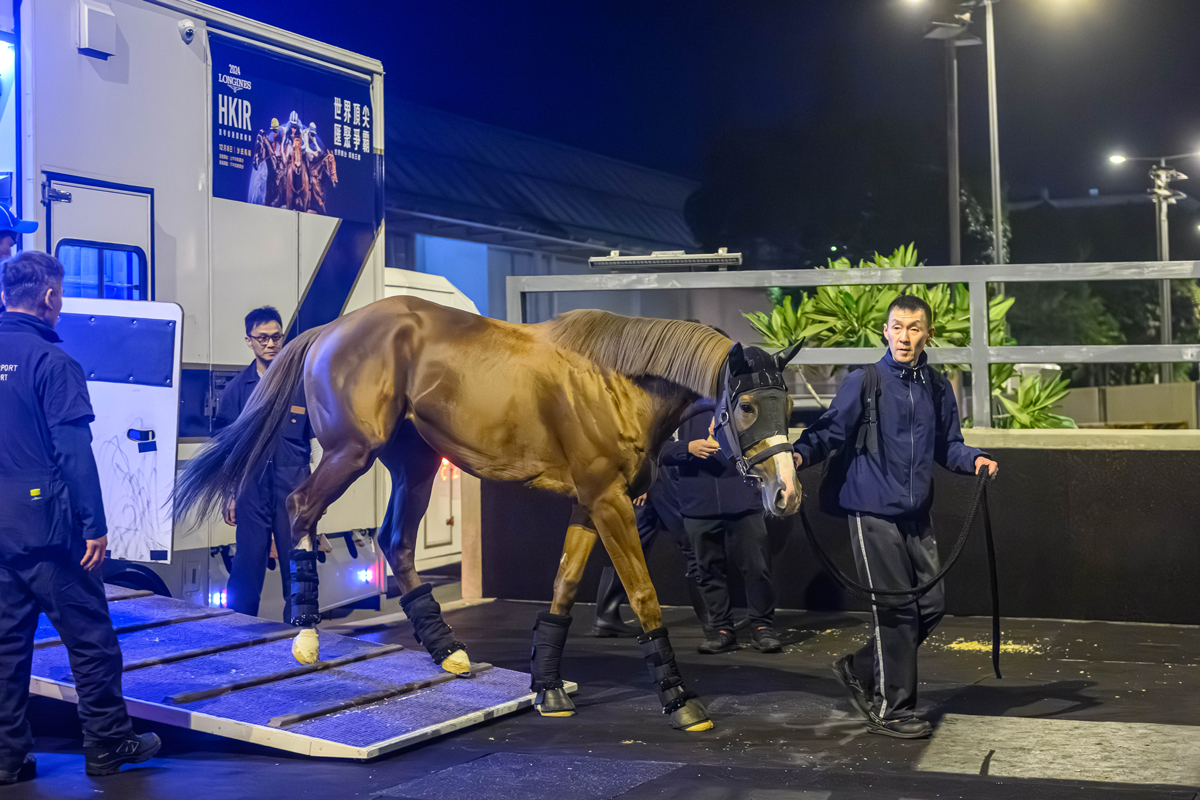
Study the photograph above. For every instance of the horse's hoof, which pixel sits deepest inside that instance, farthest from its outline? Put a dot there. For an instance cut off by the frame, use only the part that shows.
(554, 703)
(306, 647)
(691, 717)
(457, 663)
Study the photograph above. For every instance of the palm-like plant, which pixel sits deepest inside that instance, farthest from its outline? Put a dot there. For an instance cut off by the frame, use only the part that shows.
(854, 315)
(1033, 406)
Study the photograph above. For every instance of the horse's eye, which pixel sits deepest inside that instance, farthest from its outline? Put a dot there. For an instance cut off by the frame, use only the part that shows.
(747, 408)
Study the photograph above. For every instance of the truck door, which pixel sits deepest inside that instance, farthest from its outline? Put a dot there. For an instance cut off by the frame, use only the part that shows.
(130, 354)
(103, 234)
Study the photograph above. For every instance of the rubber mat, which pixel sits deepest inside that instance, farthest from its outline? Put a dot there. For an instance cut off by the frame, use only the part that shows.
(513, 776)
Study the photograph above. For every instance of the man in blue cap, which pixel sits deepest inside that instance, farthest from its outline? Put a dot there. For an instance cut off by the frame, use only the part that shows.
(53, 534)
(11, 228)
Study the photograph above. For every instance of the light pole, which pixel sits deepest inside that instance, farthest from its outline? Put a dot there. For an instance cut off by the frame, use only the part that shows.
(952, 33)
(1162, 195)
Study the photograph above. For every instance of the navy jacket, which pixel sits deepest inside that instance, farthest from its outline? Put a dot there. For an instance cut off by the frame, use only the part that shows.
(292, 447)
(707, 487)
(49, 486)
(913, 435)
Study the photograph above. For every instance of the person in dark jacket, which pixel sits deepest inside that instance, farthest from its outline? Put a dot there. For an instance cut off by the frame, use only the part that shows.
(723, 517)
(656, 510)
(260, 511)
(53, 534)
(887, 499)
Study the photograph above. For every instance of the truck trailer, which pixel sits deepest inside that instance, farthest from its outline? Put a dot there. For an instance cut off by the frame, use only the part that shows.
(175, 153)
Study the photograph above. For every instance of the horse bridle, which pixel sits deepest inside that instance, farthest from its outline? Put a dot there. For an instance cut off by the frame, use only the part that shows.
(768, 388)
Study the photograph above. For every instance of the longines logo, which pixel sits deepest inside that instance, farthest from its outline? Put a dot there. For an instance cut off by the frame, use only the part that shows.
(234, 80)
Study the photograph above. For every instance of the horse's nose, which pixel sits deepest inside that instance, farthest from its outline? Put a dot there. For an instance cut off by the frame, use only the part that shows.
(783, 498)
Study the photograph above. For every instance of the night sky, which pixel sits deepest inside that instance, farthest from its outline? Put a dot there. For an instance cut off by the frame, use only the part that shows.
(657, 83)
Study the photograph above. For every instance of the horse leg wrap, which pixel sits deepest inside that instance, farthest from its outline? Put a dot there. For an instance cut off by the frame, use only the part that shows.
(549, 638)
(679, 703)
(306, 611)
(432, 631)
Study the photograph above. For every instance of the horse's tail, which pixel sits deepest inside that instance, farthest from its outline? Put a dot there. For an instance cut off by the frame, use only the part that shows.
(222, 468)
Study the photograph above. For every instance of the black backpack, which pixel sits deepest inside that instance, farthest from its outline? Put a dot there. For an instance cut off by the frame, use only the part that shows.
(864, 437)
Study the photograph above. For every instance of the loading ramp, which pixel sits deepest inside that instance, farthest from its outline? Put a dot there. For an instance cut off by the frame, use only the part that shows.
(232, 675)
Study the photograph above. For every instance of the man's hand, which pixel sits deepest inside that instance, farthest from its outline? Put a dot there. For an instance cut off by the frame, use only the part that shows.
(640, 501)
(798, 459)
(703, 448)
(94, 556)
(229, 512)
(992, 467)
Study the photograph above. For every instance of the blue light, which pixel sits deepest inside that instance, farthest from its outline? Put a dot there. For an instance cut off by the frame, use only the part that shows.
(217, 599)
(366, 575)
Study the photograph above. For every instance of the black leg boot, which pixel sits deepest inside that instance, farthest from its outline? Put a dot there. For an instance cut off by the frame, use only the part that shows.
(432, 631)
(686, 711)
(609, 597)
(549, 638)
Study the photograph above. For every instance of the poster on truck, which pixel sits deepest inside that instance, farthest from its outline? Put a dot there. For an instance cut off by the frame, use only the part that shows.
(291, 135)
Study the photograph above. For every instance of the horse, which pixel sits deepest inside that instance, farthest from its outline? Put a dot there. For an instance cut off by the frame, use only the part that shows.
(579, 405)
(268, 156)
(325, 166)
(297, 189)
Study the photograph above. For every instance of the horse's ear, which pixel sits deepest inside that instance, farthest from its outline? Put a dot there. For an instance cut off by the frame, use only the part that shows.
(737, 360)
(784, 356)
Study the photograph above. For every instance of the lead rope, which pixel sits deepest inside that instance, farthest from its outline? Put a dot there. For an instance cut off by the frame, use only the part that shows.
(878, 597)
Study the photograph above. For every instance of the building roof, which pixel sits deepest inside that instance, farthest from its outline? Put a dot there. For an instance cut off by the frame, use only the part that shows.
(451, 176)
(1044, 200)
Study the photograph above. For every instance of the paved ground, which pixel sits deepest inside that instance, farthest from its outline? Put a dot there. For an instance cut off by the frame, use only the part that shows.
(783, 730)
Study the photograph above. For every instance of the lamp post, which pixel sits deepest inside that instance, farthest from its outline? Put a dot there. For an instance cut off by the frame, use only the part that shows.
(953, 34)
(1162, 195)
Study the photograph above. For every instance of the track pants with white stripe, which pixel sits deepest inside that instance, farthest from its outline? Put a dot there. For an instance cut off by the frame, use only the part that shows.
(898, 553)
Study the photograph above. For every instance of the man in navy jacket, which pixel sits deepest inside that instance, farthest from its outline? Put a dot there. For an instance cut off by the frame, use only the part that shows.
(722, 515)
(260, 511)
(887, 499)
(53, 533)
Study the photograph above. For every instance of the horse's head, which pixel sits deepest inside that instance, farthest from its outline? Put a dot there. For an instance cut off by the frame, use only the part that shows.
(753, 413)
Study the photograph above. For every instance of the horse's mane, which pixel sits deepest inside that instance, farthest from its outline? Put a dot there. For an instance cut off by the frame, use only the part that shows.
(685, 353)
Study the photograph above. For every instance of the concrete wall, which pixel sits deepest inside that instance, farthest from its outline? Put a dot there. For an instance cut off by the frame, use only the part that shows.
(1080, 534)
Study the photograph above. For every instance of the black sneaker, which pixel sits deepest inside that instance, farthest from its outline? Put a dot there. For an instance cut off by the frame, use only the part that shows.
(860, 697)
(722, 640)
(26, 772)
(107, 760)
(767, 640)
(909, 728)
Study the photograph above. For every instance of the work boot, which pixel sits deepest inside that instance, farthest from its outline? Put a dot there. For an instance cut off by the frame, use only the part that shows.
(860, 696)
(609, 597)
(27, 771)
(767, 640)
(722, 640)
(907, 728)
(108, 759)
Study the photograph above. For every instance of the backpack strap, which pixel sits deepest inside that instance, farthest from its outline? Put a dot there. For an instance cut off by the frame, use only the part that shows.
(868, 428)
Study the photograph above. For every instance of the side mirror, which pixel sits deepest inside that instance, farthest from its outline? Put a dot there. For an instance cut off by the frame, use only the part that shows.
(783, 357)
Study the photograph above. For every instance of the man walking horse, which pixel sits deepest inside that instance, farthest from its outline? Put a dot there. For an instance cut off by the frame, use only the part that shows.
(579, 405)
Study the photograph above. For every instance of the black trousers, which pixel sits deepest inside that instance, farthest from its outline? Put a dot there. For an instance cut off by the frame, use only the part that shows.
(743, 540)
(261, 514)
(896, 554)
(73, 600)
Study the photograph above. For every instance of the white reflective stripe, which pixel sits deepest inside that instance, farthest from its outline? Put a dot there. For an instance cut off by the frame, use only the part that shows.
(881, 689)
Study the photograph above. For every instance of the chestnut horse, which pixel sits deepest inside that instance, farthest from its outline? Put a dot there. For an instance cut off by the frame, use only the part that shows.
(579, 405)
(297, 188)
(324, 167)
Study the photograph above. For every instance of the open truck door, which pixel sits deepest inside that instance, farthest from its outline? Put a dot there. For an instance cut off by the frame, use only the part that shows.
(130, 353)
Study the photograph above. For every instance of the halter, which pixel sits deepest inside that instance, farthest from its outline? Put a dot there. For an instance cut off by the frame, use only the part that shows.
(766, 383)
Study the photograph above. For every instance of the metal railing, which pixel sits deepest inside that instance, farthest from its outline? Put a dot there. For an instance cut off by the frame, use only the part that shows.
(976, 277)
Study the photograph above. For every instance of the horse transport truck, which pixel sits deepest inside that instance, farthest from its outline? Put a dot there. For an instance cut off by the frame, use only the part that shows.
(188, 165)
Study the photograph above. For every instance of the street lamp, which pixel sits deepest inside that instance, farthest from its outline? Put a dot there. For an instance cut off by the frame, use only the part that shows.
(1162, 195)
(952, 33)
